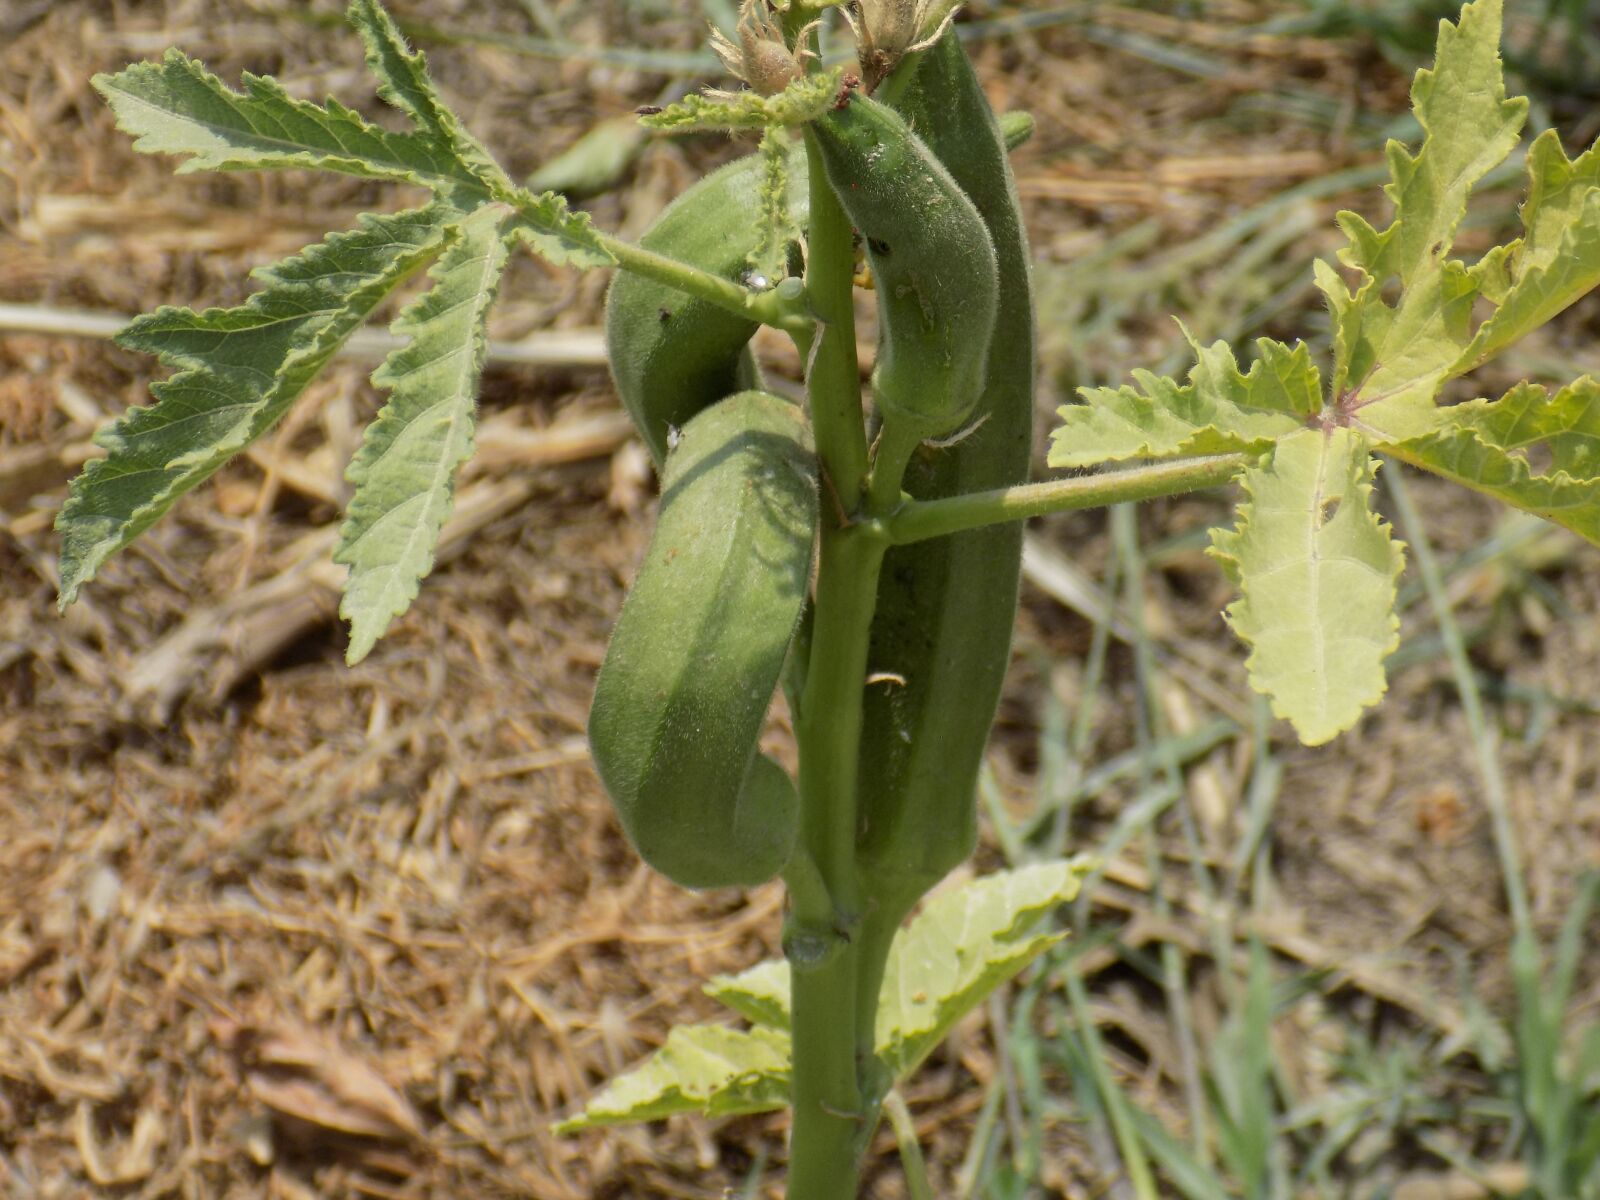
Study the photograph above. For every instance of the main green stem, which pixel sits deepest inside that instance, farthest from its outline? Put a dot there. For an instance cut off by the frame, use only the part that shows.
(825, 952)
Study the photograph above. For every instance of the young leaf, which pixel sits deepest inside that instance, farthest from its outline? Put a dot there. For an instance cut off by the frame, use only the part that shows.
(760, 995)
(1218, 411)
(176, 106)
(1316, 569)
(1390, 362)
(404, 473)
(239, 370)
(962, 946)
(1485, 446)
(706, 1069)
(806, 99)
(770, 259)
(1558, 258)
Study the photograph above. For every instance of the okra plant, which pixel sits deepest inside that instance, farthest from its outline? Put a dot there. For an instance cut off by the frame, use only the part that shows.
(863, 557)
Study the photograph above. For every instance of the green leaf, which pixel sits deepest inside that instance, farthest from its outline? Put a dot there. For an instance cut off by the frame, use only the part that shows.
(1317, 569)
(965, 943)
(1218, 411)
(555, 233)
(1390, 361)
(404, 473)
(1486, 444)
(760, 995)
(770, 258)
(705, 1069)
(239, 371)
(806, 99)
(403, 81)
(176, 106)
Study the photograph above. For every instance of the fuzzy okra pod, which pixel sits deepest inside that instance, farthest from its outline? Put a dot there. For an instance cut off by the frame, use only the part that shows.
(699, 646)
(942, 630)
(671, 354)
(933, 264)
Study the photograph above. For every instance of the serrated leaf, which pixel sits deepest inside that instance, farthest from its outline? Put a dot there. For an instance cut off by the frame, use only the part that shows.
(770, 259)
(403, 81)
(705, 1069)
(1486, 446)
(404, 473)
(1391, 361)
(806, 99)
(1558, 258)
(239, 371)
(760, 994)
(555, 233)
(178, 107)
(965, 943)
(1219, 411)
(1316, 569)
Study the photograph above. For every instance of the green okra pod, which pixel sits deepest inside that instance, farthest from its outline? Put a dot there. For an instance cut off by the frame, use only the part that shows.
(671, 354)
(699, 646)
(933, 264)
(941, 635)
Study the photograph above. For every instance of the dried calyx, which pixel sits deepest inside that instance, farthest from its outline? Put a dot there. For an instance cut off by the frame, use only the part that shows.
(888, 30)
(761, 56)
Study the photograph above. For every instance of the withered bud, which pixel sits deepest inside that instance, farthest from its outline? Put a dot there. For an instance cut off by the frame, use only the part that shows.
(888, 30)
(761, 57)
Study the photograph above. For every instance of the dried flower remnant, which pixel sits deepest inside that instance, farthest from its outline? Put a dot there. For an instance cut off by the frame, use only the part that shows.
(888, 30)
(761, 57)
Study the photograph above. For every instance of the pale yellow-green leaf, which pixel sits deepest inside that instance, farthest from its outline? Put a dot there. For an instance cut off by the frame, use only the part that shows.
(965, 943)
(1530, 449)
(760, 995)
(705, 1069)
(1316, 568)
(1219, 411)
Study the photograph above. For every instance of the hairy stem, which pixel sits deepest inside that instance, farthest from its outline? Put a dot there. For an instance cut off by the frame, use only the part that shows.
(766, 307)
(917, 520)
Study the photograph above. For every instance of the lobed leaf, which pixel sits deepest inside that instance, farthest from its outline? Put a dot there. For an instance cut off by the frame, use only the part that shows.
(555, 233)
(1390, 361)
(965, 943)
(1556, 261)
(705, 1069)
(403, 81)
(176, 106)
(404, 473)
(1316, 569)
(1486, 445)
(806, 99)
(240, 369)
(1220, 410)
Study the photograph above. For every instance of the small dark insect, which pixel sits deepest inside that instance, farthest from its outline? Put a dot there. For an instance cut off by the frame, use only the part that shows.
(878, 246)
(647, 110)
(666, 315)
